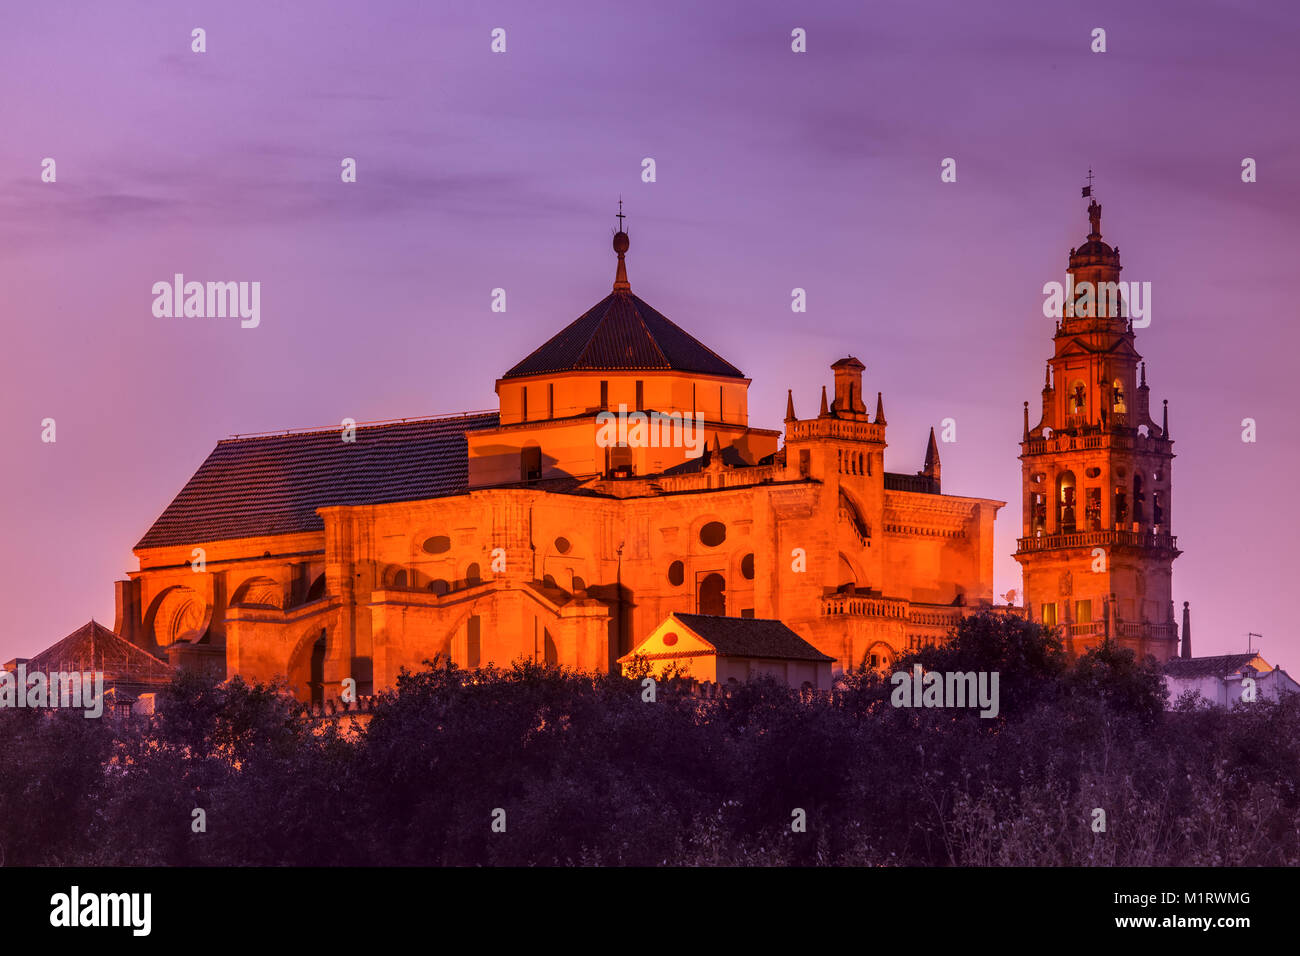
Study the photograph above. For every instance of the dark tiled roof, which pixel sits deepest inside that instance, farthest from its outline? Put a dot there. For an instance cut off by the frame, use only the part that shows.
(752, 637)
(267, 485)
(730, 456)
(93, 647)
(1220, 666)
(916, 483)
(622, 332)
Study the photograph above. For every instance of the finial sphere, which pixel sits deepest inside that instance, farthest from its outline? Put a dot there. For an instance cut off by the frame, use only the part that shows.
(620, 242)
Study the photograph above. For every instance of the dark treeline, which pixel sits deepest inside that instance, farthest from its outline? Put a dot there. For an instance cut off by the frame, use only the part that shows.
(589, 773)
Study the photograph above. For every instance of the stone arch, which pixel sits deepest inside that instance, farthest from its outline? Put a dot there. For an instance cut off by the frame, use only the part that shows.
(259, 591)
(880, 656)
(396, 578)
(849, 574)
(455, 644)
(307, 662)
(179, 615)
(852, 510)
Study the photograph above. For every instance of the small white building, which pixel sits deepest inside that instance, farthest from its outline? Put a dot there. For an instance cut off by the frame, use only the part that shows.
(723, 649)
(1220, 680)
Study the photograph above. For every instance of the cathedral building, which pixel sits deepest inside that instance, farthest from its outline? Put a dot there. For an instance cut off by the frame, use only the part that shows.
(1098, 549)
(618, 482)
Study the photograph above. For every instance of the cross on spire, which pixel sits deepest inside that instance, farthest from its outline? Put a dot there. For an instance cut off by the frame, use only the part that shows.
(620, 214)
(1087, 190)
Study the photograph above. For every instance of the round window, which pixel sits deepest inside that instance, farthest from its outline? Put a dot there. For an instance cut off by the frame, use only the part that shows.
(562, 545)
(713, 534)
(670, 639)
(438, 544)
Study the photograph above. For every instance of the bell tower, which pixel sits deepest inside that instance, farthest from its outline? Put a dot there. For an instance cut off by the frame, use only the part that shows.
(1098, 550)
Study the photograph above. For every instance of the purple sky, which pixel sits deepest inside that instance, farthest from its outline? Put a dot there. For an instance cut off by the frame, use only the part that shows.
(775, 170)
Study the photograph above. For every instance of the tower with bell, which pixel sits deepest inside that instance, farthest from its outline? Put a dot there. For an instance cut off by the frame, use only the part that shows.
(1097, 550)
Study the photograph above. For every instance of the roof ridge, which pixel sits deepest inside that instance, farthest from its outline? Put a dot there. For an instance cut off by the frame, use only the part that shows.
(650, 335)
(684, 332)
(608, 302)
(319, 429)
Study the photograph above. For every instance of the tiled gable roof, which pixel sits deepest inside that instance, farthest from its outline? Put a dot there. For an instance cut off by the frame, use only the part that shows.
(267, 485)
(1221, 666)
(751, 637)
(93, 647)
(621, 332)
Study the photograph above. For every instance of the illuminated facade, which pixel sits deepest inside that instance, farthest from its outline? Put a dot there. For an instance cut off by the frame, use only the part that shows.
(526, 532)
(1098, 549)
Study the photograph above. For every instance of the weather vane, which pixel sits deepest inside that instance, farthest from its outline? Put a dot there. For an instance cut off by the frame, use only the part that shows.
(1087, 190)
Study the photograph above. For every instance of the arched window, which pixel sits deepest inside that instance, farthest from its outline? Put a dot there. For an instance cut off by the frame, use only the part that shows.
(530, 463)
(473, 575)
(711, 597)
(1065, 503)
(1120, 406)
(552, 654)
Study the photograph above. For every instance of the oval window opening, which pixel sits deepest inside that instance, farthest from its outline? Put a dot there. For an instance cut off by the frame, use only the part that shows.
(713, 534)
(747, 567)
(438, 544)
(562, 545)
(676, 573)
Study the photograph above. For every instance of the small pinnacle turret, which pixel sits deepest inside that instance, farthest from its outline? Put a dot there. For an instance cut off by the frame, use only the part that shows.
(932, 458)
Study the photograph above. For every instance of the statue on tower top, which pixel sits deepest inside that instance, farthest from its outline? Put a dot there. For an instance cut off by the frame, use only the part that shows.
(1094, 217)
